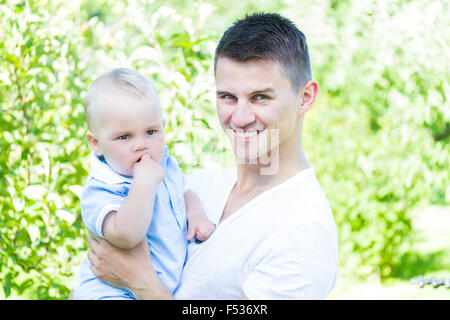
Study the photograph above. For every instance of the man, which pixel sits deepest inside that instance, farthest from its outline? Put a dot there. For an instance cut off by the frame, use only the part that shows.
(276, 236)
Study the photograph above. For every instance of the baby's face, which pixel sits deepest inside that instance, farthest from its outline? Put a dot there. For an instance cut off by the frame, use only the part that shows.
(126, 128)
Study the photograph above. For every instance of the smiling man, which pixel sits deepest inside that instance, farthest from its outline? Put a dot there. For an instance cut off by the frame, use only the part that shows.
(276, 236)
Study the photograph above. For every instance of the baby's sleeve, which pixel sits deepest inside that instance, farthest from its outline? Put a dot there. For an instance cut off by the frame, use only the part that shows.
(97, 200)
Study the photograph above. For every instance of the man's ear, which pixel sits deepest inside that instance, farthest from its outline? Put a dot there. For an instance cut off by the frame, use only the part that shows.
(308, 96)
(163, 122)
(93, 143)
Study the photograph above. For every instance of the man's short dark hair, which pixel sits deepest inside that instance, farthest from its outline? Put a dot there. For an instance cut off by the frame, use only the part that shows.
(268, 36)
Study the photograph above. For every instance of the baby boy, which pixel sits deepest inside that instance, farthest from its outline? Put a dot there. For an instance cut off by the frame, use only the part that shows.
(135, 189)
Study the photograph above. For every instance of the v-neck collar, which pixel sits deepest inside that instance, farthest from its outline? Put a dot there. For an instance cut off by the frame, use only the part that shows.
(257, 199)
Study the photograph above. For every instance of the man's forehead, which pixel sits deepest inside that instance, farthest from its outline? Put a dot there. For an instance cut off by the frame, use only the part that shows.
(254, 75)
(258, 68)
(249, 76)
(248, 63)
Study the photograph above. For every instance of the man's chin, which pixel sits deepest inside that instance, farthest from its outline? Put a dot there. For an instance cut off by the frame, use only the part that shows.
(267, 164)
(249, 159)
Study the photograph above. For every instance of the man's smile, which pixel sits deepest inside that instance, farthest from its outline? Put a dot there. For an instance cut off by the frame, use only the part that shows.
(246, 135)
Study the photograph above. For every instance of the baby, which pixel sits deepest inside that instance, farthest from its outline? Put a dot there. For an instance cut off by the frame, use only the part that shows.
(135, 189)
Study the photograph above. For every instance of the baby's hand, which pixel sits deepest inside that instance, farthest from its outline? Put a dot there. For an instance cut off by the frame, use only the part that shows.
(148, 170)
(200, 227)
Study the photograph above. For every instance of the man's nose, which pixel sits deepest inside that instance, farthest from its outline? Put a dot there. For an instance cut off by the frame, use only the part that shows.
(243, 114)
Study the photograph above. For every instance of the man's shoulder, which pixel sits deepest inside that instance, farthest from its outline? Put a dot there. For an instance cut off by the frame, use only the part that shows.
(304, 205)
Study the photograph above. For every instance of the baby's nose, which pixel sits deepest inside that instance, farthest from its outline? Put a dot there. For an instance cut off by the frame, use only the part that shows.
(140, 145)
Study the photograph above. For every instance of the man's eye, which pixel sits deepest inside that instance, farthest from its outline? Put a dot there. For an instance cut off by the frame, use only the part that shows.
(261, 97)
(124, 137)
(227, 97)
(150, 132)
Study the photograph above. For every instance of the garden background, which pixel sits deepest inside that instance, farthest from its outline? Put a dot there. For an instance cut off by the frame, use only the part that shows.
(378, 136)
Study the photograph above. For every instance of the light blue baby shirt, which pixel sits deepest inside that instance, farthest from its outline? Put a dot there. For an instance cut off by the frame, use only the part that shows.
(105, 190)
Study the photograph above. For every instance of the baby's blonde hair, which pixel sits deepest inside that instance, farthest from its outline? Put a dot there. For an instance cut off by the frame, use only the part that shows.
(120, 78)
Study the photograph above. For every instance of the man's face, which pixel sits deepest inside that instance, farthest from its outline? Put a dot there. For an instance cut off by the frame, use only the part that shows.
(254, 99)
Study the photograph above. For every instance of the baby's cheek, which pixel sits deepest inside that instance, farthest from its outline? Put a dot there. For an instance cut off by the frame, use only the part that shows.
(158, 151)
(124, 168)
(121, 163)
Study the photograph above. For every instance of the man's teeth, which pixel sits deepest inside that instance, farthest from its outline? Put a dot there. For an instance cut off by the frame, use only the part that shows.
(247, 134)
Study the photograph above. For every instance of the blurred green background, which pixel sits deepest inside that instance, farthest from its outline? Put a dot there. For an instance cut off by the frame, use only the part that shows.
(378, 135)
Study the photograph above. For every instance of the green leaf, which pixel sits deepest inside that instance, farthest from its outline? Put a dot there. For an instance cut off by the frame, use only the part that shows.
(25, 285)
(7, 284)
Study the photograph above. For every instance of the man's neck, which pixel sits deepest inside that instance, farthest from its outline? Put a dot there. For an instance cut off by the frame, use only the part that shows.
(256, 177)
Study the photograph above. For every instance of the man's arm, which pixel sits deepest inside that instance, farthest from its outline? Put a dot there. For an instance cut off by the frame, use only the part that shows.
(128, 269)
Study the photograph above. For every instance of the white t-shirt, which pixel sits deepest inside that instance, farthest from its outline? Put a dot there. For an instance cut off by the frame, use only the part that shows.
(280, 245)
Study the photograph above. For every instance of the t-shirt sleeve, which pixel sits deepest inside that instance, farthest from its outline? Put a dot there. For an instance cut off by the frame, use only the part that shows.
(300, 262)
(97, 200)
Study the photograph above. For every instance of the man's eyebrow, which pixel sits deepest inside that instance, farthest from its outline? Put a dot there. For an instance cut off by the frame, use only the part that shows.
(221, 92)
(265, 90)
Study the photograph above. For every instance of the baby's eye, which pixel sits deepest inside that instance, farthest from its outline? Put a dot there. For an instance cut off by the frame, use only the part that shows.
(124, 137)
(150, 132)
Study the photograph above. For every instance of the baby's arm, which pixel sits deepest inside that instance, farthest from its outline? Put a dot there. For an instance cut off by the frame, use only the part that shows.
(127, 226)
(198, 225)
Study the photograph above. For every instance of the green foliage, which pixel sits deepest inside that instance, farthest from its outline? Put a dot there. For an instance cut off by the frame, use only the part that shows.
(42, 121)
(378, 136)
(48, 58)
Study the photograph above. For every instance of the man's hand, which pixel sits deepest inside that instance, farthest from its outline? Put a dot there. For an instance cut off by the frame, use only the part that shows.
(130, 269)
(148, 170)
(200, 228)
(112, 264)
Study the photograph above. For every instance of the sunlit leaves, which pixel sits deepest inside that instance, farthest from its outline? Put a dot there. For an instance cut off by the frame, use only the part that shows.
(378, 136)
(379, 131)
(39, 117)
